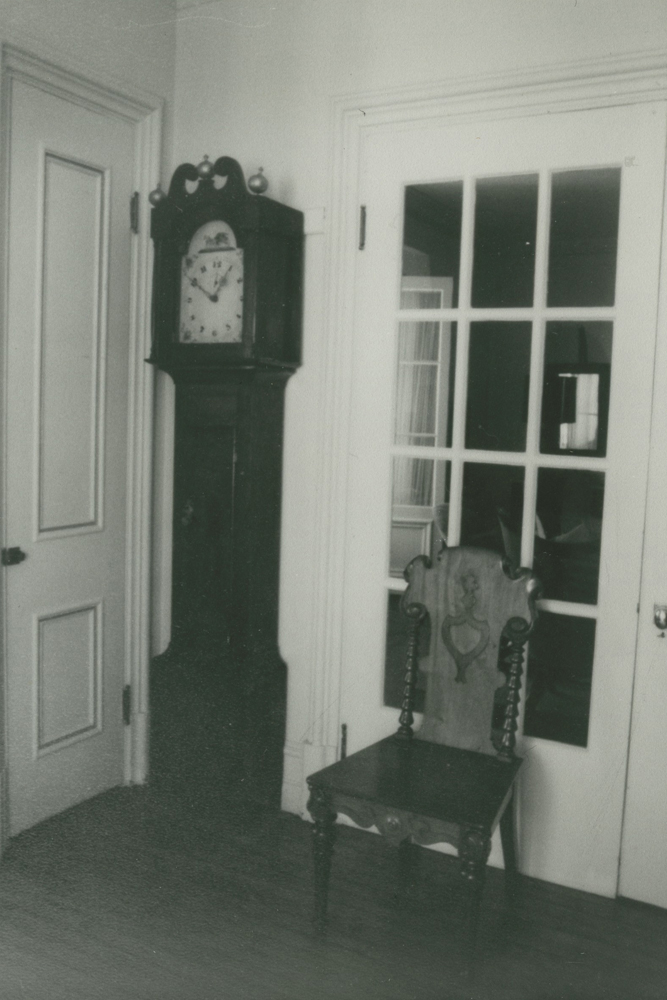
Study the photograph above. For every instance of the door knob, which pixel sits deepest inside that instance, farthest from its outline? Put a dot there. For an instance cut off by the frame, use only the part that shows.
(660, 616)
(13, 556)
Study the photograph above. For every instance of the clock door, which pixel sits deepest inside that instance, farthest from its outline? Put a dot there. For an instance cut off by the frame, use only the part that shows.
(67, 385)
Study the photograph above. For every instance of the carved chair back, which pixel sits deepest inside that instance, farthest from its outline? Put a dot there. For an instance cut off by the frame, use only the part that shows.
(480, 613)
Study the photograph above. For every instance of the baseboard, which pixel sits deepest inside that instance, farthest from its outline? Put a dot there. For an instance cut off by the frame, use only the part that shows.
(137, 749)
(294, 791)
(300, 760)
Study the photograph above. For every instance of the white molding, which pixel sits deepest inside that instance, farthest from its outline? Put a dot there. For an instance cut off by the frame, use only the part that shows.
(4, 808)
(292, 799)
(140, 451)
(4, 242)
(608, 80)
(300, 760)
(137, 744)
(145, 112)
(314, 221)
(57, 74)
(627, 79)
(163, 504)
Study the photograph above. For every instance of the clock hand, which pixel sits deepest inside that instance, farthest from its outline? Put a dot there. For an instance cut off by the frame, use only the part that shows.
(213, 297)
(222, 280)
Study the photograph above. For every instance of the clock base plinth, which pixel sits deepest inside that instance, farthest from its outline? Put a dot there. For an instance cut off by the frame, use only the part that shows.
(207, 742)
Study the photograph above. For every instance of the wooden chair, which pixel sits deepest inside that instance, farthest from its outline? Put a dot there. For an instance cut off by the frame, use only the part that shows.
(452, 781)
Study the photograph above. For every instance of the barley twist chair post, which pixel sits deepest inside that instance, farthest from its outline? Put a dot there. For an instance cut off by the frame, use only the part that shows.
(516, 633)
(416, 613)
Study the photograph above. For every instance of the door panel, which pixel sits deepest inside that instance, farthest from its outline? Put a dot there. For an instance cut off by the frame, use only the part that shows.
(71, 345)
(68, 680)
(526, 432)
(67, 379)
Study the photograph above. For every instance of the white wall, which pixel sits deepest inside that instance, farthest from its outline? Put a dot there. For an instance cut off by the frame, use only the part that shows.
(256, 76)
(130, 40)
(129, 43)
(255, 80)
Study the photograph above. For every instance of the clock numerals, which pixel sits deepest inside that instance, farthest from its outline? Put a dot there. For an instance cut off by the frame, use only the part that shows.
(212, 287)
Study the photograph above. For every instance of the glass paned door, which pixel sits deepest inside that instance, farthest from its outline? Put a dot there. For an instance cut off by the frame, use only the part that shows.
(506, 305)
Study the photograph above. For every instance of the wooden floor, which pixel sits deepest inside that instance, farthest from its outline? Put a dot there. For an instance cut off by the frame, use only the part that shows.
(139, 895)
(186, 890)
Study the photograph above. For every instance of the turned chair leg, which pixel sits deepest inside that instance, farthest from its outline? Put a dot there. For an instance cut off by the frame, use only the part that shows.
(508, 841)
(324, 835)
(474, 852)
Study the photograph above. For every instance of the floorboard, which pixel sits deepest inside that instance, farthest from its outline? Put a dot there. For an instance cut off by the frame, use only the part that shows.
(138, 894)
(191, 889)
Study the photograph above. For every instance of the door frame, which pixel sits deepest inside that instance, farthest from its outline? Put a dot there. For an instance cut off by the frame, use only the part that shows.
(631, 79)
(145, 112)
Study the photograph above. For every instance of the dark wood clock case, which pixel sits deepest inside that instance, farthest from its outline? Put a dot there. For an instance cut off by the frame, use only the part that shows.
(271, 236)
(228, 442)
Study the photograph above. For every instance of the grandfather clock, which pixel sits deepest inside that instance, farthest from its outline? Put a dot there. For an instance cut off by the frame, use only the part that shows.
(227, 297)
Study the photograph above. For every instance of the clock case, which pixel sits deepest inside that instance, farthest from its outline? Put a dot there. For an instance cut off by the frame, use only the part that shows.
(271, 237)
(229, 409)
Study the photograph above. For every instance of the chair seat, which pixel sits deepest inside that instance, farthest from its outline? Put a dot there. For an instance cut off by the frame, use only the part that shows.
(407, 780)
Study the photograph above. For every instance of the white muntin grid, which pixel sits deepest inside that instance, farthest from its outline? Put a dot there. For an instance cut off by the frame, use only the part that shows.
(531, 460)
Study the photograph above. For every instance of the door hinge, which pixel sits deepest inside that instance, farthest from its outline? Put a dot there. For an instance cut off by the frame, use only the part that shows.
(362, 227)
(134, 212)
(343, 741)
(127, 704)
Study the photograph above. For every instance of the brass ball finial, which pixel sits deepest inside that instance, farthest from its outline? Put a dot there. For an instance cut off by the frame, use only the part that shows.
(156, 196)
(205, 168)
(258, 183)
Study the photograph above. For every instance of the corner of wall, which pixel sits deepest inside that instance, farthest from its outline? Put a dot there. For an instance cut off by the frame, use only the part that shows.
(294, 792)
(300, 760)
(4, 809)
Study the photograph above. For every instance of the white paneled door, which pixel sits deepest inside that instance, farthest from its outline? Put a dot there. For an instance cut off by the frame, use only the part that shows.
(506, 305)
(70, 185)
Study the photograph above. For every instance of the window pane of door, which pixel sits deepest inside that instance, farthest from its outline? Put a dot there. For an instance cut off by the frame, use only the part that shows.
(568, 528)
(492, 504)
(431, 245)
(504, 247)
(583, 237)
(559, 676)
(425, 383)
(419, 509)
(575, 396)
(498, 374)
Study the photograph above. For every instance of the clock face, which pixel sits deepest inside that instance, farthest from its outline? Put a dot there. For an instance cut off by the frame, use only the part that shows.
(212, 287)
